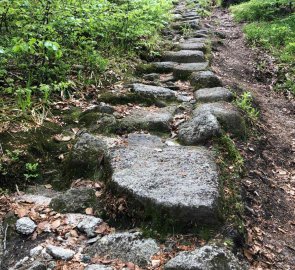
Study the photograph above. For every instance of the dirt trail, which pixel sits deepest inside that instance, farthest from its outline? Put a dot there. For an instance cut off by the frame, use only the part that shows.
(269, 187)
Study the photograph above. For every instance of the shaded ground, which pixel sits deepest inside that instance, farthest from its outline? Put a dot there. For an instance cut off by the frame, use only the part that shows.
(269, 186)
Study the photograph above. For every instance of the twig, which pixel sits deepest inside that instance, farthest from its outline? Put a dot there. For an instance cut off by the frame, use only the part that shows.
(5, 237)
(17, 190)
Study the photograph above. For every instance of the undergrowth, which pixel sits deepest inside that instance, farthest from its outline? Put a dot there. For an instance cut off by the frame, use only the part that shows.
(58, 47)
(271, 24)
(244, 102)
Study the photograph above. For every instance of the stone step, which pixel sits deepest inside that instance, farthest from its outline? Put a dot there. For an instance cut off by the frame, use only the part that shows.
(191, 17)
(195, 40)
(206, 258)
(208, 120)
(184, 56)
(204, 79)
(165, 66)
(213, 94)
(147, 118)
(199, 46)
(153, 91)
(193, 24)
(128, 247)
(175, 183)
(183, 71)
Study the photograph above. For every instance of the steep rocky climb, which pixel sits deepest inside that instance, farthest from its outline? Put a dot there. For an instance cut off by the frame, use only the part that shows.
(169, 179)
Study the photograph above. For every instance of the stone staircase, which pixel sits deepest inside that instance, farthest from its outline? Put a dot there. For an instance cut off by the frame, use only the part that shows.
(170, 175)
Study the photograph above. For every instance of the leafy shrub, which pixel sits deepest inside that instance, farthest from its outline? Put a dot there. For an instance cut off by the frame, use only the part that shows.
(257, 10)
(244, 102)
(43, 41)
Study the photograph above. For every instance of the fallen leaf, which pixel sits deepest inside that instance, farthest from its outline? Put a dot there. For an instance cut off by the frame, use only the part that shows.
(89, 211)
(21, 212)
(61, 138)
(55, 224)
(74, 233)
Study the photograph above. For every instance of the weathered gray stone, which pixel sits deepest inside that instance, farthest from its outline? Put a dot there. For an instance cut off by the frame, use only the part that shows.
(184, 56)
(101, 108)
(213, 94)
(74, 201)
(60, 253)
(190, 17)
(37, 266)
(193, 24)
(227, 115)
(177, 17)
(199, 129)
(205, 258)
(199, 34)
(195, 40)
(86, 156)
(128, 247)
(25, 225)
(98, 267)
(151, 76)
(204, 79)
(137, 139)
(36, 251)
(181, 182)
(184, 98)
(192, 46)
(153, 91)
(189, 13)
(97, 121)
(183, 71)
(162, 66)
(37, 199)
(151, 119)
(88, 225)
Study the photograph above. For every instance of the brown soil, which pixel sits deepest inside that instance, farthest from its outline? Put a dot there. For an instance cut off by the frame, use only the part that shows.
(269, 186)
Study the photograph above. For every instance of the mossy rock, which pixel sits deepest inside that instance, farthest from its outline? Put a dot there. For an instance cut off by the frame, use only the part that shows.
(121, 99)
(98, 122)
(86, 158)
(75, 201)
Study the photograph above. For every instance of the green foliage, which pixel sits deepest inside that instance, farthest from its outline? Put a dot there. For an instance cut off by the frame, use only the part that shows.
(277, 36)
(31, 171)
(244, 102)
(13, 155)
(272, 25)
(257, 10)
(48, 42)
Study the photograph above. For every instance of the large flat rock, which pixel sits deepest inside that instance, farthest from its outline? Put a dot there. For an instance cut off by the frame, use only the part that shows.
(227, 115)
(183, 71)
(207, 122)
(147, 118)
(192, 23)
(128, 247)
(153, 91)
(200, 46)
(204, 79)
(184, 56)
(179, 183)
(206, 258)
(213, 94)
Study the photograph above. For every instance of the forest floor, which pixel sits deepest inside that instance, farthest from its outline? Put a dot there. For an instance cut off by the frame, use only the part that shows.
(269, 184)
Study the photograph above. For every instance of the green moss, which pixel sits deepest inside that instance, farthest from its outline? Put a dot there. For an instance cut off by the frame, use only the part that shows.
(231, 166)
